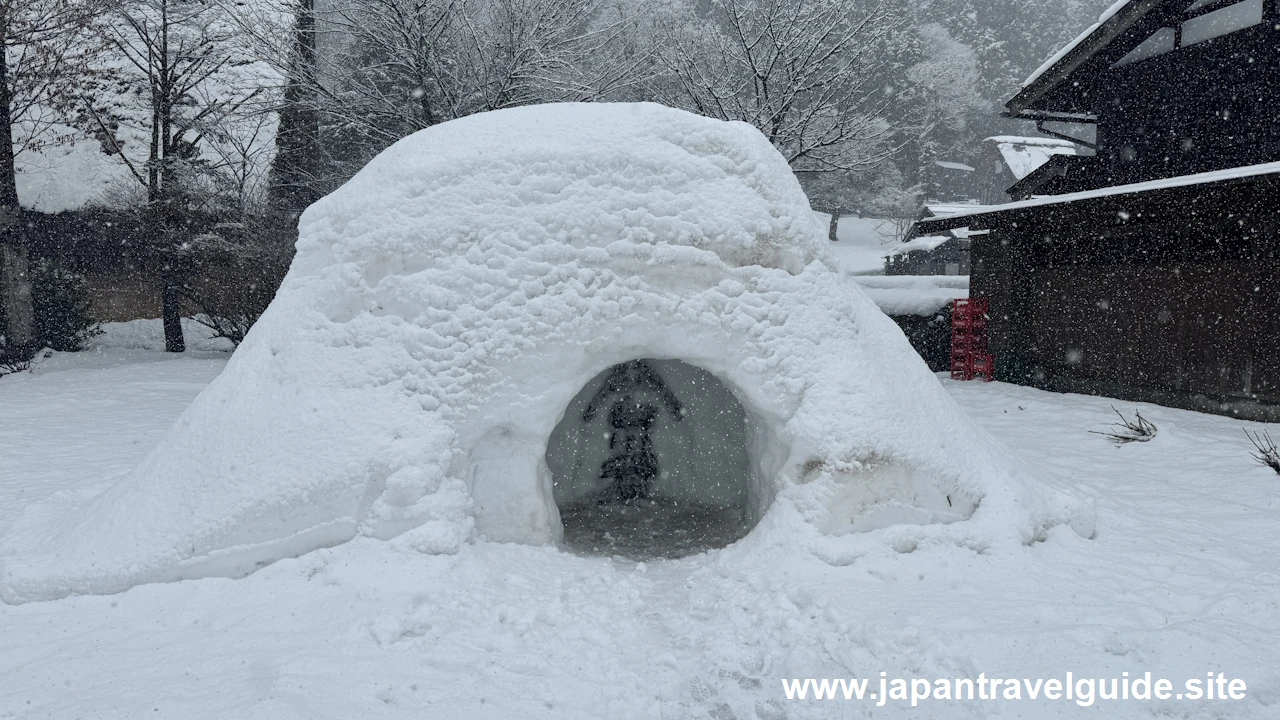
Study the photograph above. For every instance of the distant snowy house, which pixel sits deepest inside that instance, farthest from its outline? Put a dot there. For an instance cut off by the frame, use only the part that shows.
(1149, 268)
(950, 181)
(946, 253)
(526, 319)
(929, 255)
(1008, 160)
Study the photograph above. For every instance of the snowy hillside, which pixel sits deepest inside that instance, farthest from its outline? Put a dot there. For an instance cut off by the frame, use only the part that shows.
(67, 176)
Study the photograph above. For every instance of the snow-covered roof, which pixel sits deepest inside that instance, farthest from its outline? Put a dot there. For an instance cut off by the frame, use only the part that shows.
(1024, 155)
(923, 295)
(953, 165)
(942, 209)
(925, 243)
(66, 176)
(448, 303)
(1032, 140)
(1134, 188)
(1057, 57)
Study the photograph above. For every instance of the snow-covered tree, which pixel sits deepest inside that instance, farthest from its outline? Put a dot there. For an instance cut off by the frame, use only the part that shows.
(1009, 38)
(177, 100)
(948, 80)
(404, 65)
(43, 51)
(811, 75)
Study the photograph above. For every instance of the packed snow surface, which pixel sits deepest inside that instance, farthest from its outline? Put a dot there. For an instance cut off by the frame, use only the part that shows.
(1180, 581)
(448, 303)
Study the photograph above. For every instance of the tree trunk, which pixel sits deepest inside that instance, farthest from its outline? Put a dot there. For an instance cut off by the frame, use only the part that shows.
(171, 306)
(15, 278)
(16, 281)
(834, 227)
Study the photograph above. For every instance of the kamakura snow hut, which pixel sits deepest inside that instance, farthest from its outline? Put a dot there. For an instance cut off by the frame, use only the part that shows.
(431, 370)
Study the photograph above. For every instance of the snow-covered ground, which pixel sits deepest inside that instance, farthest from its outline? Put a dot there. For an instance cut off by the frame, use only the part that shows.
(860, 250)
(1181, 579)
(862, 243)
(126, 380)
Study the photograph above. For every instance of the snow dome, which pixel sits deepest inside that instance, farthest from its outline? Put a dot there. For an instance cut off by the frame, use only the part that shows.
(527, 315)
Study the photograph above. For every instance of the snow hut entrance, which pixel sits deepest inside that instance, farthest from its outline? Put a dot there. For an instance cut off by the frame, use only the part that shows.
(652, 460)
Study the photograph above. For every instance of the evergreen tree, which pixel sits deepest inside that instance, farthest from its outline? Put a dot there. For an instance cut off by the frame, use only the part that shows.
(63, 309)
(299, 162)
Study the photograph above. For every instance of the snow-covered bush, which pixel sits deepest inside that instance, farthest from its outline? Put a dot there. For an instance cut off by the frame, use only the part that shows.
(241, 266)
(11, 364)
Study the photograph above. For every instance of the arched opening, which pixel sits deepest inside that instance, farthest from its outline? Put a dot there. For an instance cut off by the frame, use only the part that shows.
(657, 458)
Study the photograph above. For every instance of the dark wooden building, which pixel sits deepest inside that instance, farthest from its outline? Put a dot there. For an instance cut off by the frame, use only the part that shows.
(1150, 268)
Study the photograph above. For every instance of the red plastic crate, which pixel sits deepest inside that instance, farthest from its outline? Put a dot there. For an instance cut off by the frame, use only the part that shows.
(969, 356)
(984, 366)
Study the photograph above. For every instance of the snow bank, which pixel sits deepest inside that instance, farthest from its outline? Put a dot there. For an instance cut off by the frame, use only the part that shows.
(448, 303)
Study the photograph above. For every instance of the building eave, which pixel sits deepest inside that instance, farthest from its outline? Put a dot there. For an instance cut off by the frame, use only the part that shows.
(994, 216)
(1118, 20)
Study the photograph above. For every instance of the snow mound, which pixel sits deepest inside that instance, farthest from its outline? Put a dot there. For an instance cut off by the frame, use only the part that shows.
(448, 304)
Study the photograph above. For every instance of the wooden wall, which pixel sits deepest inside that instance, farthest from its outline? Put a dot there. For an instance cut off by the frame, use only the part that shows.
(1181, 308)
(1204, 107)
(122, 296)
